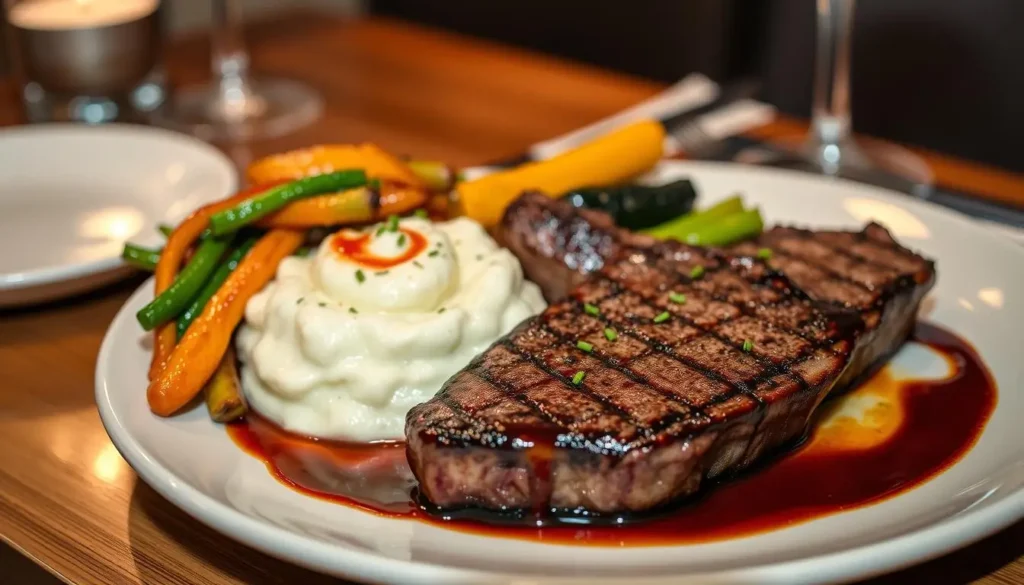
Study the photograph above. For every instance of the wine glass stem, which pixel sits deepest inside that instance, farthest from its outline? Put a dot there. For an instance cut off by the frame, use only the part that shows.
(830, 113)
(230, 61)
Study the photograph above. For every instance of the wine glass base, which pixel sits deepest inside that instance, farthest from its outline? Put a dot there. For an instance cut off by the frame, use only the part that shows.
(268, 107)
(871, 162)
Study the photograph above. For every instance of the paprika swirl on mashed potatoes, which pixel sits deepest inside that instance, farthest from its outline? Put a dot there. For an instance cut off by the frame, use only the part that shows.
(344, 342)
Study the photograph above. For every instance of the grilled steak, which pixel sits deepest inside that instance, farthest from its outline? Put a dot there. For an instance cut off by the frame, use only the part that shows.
(867, 272)
(658, 365)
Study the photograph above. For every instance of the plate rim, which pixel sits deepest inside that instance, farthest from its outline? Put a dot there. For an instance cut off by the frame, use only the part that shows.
(891, 554)
(39, 277)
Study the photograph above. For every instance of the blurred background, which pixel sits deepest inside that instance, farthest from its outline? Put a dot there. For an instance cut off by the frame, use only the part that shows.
(941, 74)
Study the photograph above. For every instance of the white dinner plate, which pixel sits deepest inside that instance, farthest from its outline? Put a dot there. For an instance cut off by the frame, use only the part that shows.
(979, 295)
(71, 195)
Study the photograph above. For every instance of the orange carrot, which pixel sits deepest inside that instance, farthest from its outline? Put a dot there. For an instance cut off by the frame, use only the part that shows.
(347, 207)
(194, 360)
(295, 164)
(175, 252)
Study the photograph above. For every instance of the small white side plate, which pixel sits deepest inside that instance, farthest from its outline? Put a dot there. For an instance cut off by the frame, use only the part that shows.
(71, 195)
(979, 295)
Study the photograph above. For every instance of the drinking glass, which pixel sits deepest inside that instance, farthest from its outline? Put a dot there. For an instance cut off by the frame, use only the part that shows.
(87, 61)
(829, 147)
(236, 105)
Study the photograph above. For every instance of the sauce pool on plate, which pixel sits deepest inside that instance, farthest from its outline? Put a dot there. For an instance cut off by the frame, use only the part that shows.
(884, 438)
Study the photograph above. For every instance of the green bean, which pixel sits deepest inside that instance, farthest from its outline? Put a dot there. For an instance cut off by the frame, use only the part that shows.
(728, 230)
(262, 204)
(694, 221)
(139, 257)
(210, 288)
(436, 175)
(173, 301)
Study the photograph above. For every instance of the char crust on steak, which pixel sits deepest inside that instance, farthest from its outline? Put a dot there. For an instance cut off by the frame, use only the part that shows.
(867, 272)
(632, 420)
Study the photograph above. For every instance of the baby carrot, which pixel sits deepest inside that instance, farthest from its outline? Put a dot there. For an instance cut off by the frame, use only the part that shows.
(347, 207)
(171, 258)
(195, 359)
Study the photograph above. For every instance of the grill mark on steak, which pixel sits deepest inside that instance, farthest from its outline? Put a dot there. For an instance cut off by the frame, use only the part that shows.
(883, 281)
(655, 345)
(717, 359)
(875, 239)
(663, 302)
(566, 380)
(666, 347)
(806, 329)
(847, 244)
(566, 341)
(646, 380)
(816, 253)
(667, 404)
(814, 264)
(519, 395)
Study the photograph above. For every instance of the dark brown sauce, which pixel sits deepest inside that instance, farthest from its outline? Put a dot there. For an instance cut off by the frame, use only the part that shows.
(830, 472)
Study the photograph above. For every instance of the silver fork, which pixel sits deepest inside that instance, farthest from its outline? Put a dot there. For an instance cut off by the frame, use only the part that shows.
(694, 142)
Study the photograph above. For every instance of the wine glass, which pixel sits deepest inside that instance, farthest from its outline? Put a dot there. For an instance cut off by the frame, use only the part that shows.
(235, 105)
(829, 148)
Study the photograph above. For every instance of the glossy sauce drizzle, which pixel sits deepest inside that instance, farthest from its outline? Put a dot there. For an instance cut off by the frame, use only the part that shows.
(830, 472)
(356, 247)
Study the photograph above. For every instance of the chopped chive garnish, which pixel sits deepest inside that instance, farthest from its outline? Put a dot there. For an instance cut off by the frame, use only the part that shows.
(662, 317)
(380, 231)
(381, 273)
(392, 224)
(764, 253)
(322, 304)
(299, 301)
(748, 345)
(352, 310)
(697, 272)
(433, 253)
(441, 310)
(401, 240)
(360, 277)
(421, 213)
(610, 334)
(583, 345)
(417, 264)
(677, 298)
(479, 256)
(591, 309)
(578, 377)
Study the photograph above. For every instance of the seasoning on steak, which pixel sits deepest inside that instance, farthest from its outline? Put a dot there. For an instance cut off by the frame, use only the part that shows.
(665, 366)
(561, 415)
(867, 272)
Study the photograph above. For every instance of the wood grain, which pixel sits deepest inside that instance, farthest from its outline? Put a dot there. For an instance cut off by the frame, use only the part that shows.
(67, 499)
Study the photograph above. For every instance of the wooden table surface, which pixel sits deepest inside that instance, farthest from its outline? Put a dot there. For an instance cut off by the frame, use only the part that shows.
(67, 499)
